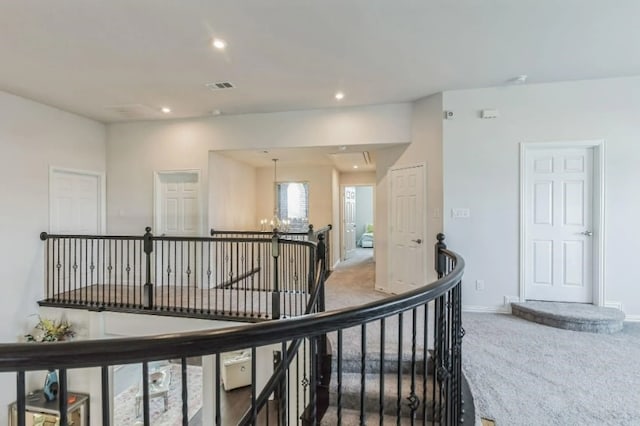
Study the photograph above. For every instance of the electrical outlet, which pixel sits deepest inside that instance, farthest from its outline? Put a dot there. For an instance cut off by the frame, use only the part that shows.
(479, 285)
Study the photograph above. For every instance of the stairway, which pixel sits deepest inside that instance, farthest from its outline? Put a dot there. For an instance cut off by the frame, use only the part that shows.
(394, 406)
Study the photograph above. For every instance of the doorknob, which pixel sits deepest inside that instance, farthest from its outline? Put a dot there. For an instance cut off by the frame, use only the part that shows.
(418, 241)
(587, 233)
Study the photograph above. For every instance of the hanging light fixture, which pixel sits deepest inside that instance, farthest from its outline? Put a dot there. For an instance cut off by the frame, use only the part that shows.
(275, 223)
(275, 220)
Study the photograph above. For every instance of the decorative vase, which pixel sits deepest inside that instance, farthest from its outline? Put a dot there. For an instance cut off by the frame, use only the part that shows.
(50, 388)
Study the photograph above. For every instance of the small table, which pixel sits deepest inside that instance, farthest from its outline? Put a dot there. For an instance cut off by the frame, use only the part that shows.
(38, 409)
(159, 381)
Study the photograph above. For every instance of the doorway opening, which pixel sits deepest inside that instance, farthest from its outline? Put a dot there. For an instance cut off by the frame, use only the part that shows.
(358, 227)
(562, 222)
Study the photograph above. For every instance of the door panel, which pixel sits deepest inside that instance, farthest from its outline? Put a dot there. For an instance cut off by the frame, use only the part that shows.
(349, 215)
(407, 267)
(558, 214)
(75, 203)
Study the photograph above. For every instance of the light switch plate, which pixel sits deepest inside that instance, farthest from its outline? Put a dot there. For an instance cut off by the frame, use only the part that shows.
(460, 213)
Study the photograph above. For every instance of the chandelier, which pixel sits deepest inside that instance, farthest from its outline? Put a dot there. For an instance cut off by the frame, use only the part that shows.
(275, 223)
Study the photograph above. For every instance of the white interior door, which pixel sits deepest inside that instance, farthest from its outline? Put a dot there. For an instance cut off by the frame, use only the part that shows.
(349, 215)
(407, 253)
(177, 210)
(75, 202)
(559, 225)
(177, 213)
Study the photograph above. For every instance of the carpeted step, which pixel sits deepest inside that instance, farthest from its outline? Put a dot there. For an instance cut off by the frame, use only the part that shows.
(352, 418)
(352, 364)
(351, 385)
(571, 316)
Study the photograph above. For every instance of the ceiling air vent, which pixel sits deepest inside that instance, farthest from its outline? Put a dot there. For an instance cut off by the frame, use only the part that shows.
(220, 85)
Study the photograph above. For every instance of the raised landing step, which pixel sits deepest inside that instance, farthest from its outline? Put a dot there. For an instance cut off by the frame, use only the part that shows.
(571, 316)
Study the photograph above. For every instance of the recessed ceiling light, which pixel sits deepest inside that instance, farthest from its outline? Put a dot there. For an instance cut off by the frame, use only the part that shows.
(216, 112)
(339, 96)
(355, 166)
(166, 110)
(219, 44)
(342, 148)
(520, 79)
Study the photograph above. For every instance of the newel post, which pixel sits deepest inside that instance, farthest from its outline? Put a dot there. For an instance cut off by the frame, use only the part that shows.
(275, 294)
(147, 302)
(440, 260)
(310, 234)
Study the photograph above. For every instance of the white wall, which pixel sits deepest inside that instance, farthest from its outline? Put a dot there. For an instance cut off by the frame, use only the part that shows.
(359, 178)
(364, 209)
(481, 160)
(136, 150)
(426, 148)
(232, 194)
(33, 137)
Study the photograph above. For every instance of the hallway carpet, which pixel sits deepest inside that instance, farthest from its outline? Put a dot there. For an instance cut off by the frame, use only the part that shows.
(523, 373)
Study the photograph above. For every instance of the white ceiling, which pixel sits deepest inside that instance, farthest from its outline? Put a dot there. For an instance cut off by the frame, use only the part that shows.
(85, 56)
(342, 158)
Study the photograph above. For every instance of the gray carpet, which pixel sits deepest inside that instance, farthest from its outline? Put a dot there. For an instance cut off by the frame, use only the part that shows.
(523, 373)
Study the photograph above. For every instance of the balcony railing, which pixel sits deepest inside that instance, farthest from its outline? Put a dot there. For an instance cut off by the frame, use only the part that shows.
(231, 275)
(407, 347)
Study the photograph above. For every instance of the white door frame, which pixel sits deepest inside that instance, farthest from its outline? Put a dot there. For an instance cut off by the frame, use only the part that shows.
(389, 221)
(598, 209)
(102, 193)
(157, 220)
(373, 199)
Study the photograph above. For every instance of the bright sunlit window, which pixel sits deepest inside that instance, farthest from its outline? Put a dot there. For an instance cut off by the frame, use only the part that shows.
(293, 204)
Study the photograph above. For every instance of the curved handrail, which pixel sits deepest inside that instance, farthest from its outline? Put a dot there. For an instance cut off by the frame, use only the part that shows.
(95, 353)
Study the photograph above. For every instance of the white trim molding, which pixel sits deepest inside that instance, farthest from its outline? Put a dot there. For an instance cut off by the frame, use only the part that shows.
(632, 318)
(487, 309)
(615, 305)
(598, 210)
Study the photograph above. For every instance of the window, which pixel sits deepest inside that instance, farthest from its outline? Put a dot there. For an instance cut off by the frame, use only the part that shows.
(293, 204)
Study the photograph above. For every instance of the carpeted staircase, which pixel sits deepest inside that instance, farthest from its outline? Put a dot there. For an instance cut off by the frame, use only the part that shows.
(394, 405)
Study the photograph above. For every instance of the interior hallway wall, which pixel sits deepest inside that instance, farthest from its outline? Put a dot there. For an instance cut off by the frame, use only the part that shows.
(33, 137)
(232, 194)
(364, 209)
(482, 158)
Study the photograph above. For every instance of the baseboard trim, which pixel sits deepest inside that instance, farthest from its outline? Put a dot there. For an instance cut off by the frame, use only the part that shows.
(612, 304)
(487, 309)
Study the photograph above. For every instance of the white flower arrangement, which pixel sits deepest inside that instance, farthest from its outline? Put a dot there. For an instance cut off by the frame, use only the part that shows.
(48, 330)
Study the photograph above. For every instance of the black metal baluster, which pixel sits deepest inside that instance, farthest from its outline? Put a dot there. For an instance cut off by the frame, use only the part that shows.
(145, 393)
(74, 268)
(21, 405)
(185, 393)
(313, 394)
(400, 356)
(104, 271)
(105, 395)
(339, 374)
(363, 367)
(217, 390)
(209, 279)
(414, 402)
(65, 293)
(254, 408)
(175, 275)
(121, 271)
(425, 363)
(383, 331)
(63, 396)
(182, 272)
(284, 390)
(253, 280)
